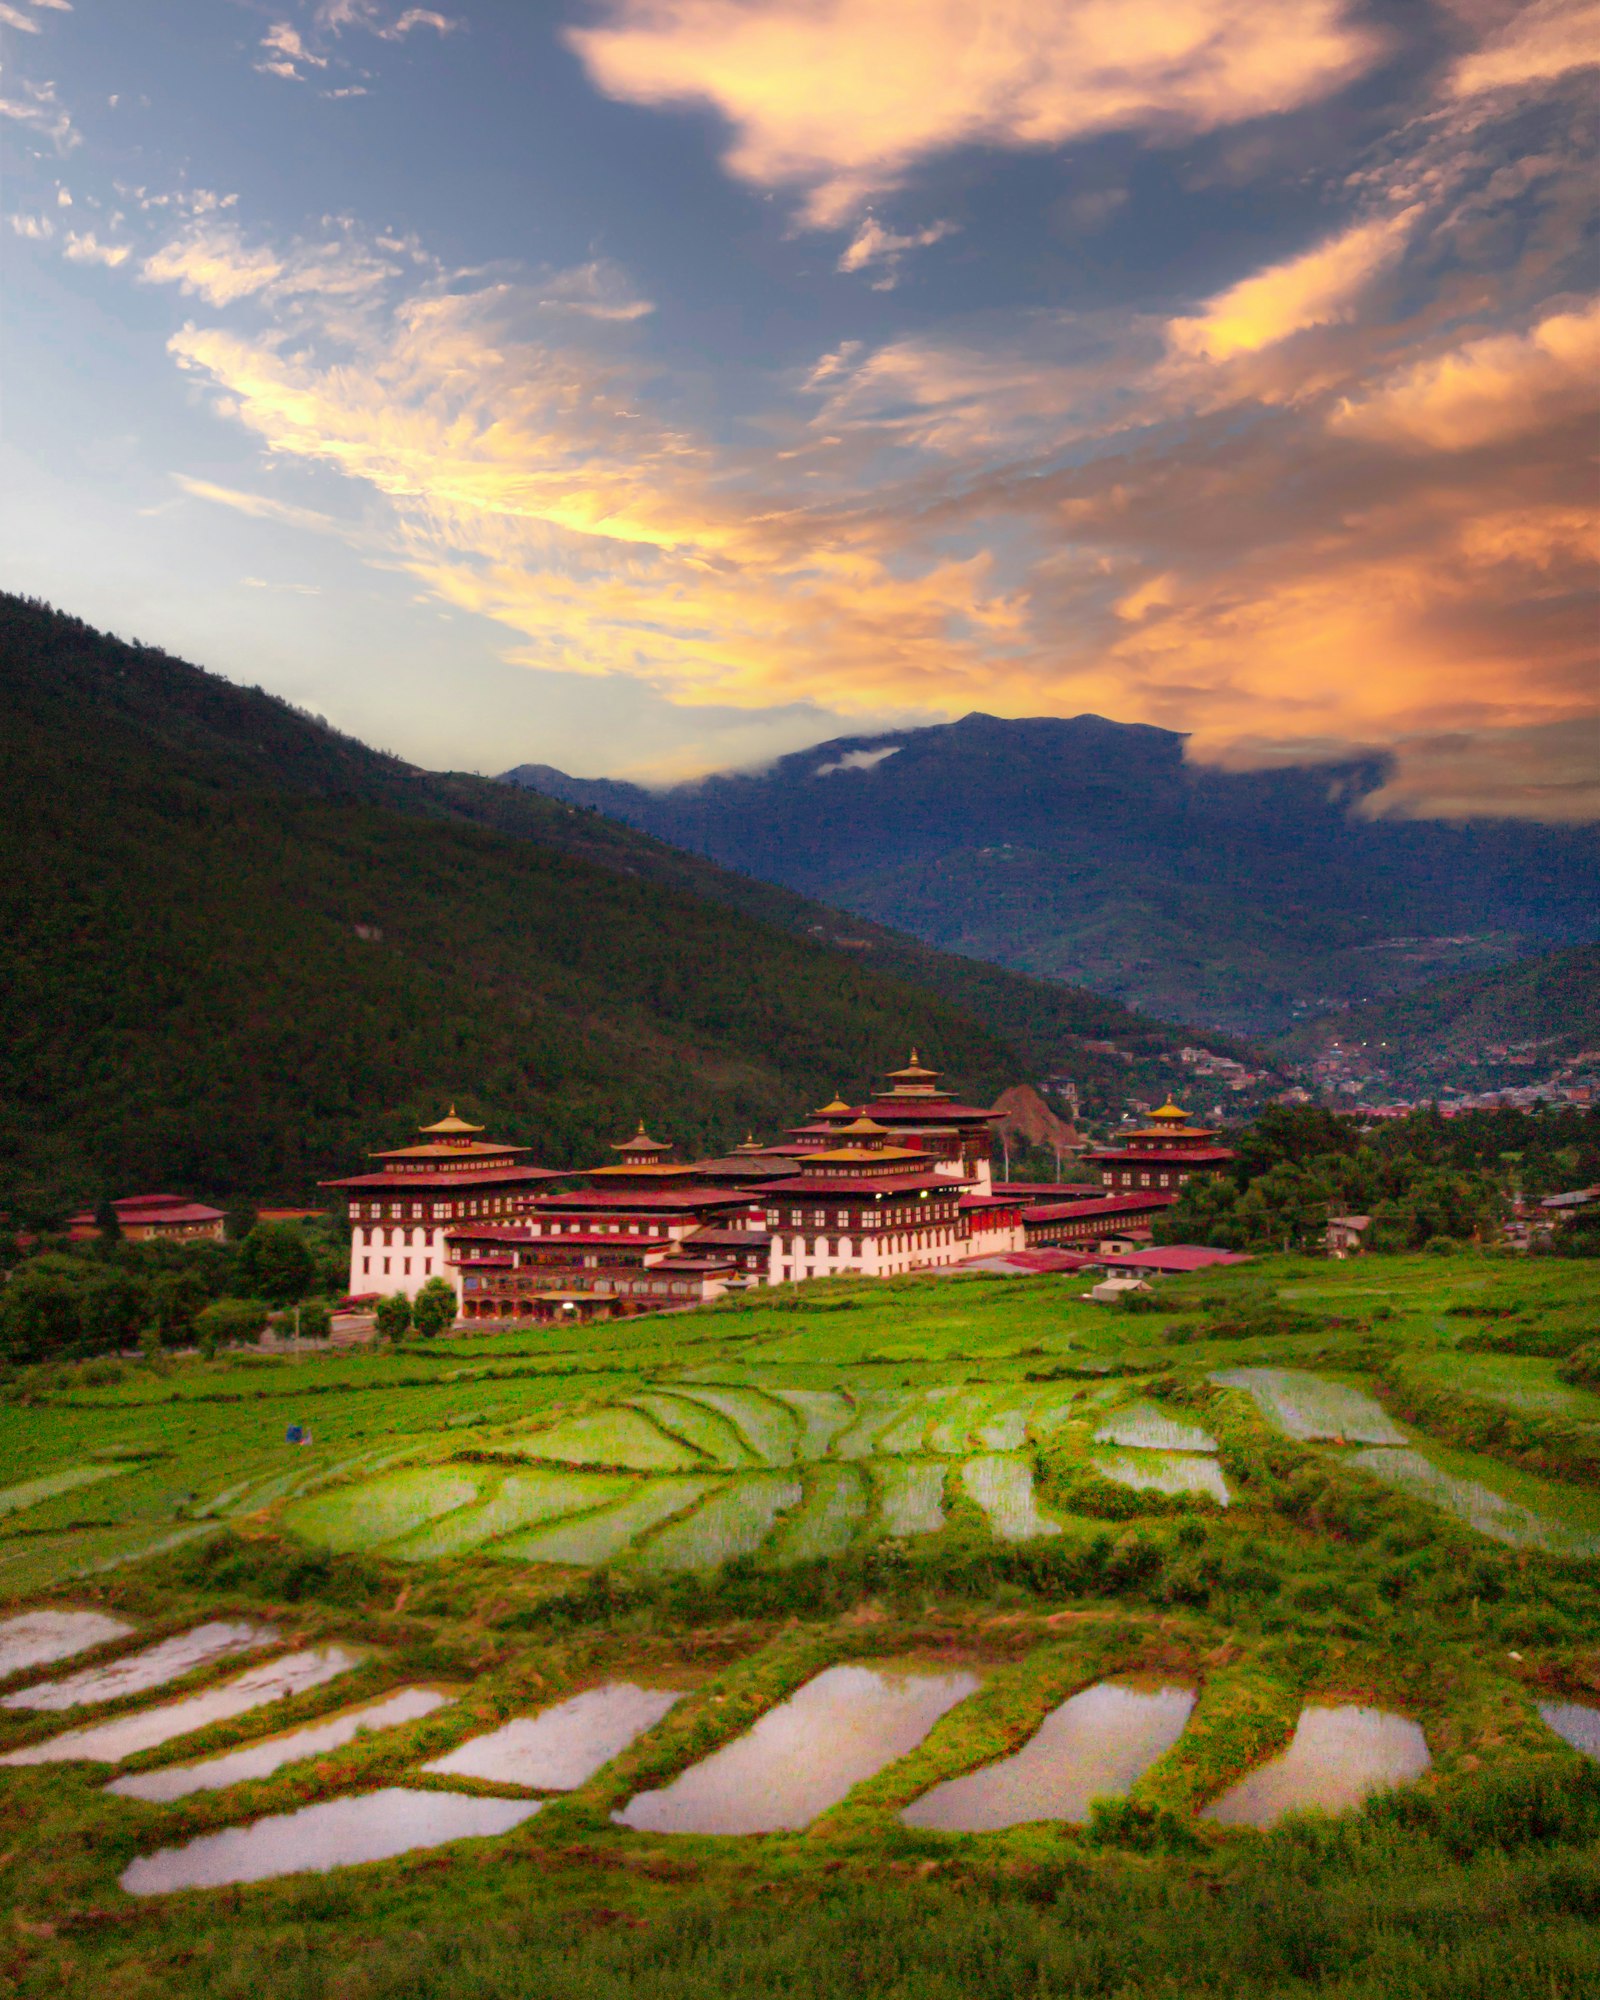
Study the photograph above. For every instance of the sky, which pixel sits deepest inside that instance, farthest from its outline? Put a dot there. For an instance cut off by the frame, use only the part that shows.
(646, 387)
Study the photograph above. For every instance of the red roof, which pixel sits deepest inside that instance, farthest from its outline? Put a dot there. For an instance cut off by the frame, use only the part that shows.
(182, 1211)
(520, 1234)
(1006, 1201)
(1174, 1257)
(641, 1201)
(437, 1183)
(1111, 1204)
(827, 1185)
(925, 1111)
(1032, 1262)
(1032, 1191)
(1139, 1156)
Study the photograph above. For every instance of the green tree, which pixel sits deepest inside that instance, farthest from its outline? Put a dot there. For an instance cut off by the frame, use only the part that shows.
(226, 1322)
(41, 1310)
(392, 1315)
(176, 1296)
(316, 1321)
(435, 1309)
(113, 1311)
(240, 1219)
(107, 1221)
(276, 1264)
(1286, 1208)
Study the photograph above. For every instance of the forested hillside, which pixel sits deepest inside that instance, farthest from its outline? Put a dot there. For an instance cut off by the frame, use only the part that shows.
(1546, 1007)
(240, 948)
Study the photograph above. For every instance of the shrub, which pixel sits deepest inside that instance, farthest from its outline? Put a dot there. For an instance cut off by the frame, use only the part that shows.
(392, 1316)
(435, 1309)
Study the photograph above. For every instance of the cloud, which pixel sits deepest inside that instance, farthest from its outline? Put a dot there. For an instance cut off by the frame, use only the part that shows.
(872, 245)
(336, 16)
(596, 290)
(39, 107)
(839, 99)
(1547, 772)
(260, 507)
(214, 264)
(857, 760)
(1537, 45)
(1488, 390)
(36, 228)
(12, 17)
(1319, 287)
(86, 248)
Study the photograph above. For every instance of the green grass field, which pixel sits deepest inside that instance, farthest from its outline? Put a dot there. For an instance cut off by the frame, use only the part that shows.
(972, 1475)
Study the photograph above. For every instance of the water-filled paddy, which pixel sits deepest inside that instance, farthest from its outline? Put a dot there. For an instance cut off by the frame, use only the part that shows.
(1556, 1525)
(563, 1747)
(1144, 1427)
(1337, 1758)
(1003, 1488)
(803, 1757)
(138, 1672)
(335, 1834)
(1169, 1472)
(36, 1638)
(1093, 1746)
(1310, 1407)
(128, 1735)
(1575, 1723)
(260, 1760)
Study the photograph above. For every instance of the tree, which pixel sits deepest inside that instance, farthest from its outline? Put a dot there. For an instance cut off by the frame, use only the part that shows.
(41, 1311)
(113, 1310)
(240, 1219)
(175, 1299)
(435, 1309)
(393, 1317)
(276, 1264)
(107, 1221)
(226, 1322)
(316, 1321)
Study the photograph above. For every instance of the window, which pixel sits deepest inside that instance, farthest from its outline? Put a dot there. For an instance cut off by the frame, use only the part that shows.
(366, 1266)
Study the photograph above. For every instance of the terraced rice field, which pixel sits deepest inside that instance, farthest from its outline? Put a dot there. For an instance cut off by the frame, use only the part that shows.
(947, 1654)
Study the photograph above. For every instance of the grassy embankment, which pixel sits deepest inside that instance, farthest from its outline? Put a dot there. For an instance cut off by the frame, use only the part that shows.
(1316, 1583)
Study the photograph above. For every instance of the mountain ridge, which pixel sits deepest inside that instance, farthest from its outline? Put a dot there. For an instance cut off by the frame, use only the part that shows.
(1091, 852)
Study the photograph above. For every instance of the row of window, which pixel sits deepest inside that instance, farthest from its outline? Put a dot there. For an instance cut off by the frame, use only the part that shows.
(404, 1262)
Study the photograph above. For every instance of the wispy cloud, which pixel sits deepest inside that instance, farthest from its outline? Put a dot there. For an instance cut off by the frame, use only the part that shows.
(84, 247)
(874, 246)
(41, 108)
(1538, 44)
(839, 99)
(1319, 287)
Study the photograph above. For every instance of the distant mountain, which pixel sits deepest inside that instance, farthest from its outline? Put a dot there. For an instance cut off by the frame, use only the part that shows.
(1527, 1015)
(240, 947)
(1088, 851)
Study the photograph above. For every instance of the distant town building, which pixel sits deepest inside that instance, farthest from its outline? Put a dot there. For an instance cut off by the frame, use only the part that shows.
(147, 1218)
(1346, 1235)
(1167, 1153)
